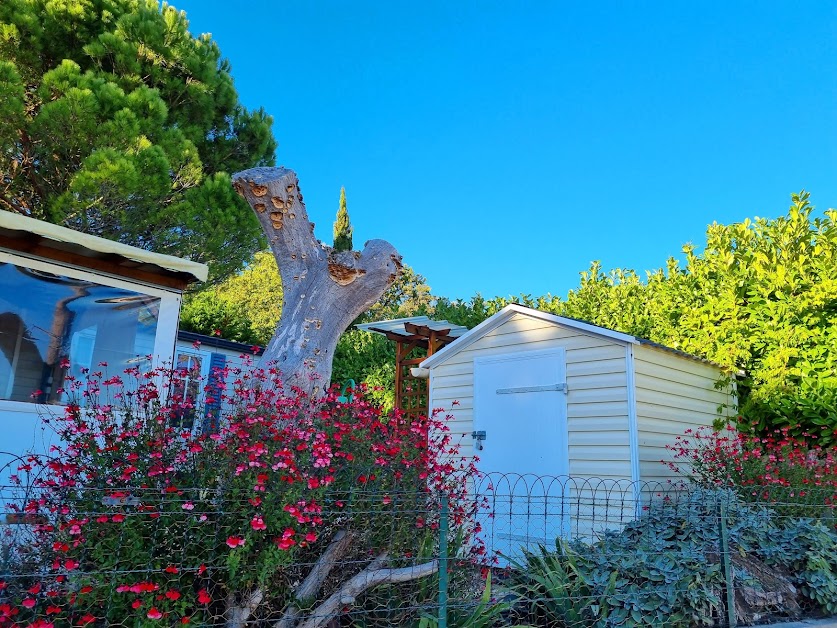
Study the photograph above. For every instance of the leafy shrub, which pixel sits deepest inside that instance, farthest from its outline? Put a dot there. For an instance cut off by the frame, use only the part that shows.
(808, 549)
(664, 568)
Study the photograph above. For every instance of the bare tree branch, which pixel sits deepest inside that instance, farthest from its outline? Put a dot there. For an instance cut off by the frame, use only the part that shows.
(314, 581)
(372, 576)
(238, 614)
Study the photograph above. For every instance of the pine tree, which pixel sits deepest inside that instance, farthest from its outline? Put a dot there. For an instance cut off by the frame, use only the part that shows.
(116, 121)
(342, 226)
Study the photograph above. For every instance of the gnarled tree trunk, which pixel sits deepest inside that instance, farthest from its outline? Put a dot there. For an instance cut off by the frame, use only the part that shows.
(323, 291)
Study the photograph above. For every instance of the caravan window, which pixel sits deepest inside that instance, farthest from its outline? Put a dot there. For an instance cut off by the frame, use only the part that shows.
(48, 318)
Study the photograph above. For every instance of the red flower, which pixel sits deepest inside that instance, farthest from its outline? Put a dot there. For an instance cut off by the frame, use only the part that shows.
(171, 569)
(235, 541)
(28, 602)
(203, 597)
(173, 595)
(154, 613)
(257, 524)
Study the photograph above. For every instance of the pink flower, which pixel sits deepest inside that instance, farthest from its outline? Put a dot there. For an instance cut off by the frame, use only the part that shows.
(28, 602)
(258, 524)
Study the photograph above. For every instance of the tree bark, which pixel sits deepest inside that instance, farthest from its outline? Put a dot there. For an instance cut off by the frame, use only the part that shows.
(323, 291)
(238, 614)
(309, 588)
(375, 573)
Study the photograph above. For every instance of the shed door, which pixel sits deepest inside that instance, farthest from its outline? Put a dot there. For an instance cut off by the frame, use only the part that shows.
(520, 404)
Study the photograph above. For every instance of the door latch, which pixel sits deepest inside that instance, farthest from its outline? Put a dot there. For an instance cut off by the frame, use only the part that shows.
(478, 436)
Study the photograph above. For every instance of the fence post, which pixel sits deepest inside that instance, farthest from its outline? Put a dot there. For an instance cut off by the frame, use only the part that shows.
(726, 562)
(443, 563)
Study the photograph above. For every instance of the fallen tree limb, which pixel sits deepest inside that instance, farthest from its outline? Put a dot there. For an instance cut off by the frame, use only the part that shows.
(375, 573)
(314, 581)
(238, 614)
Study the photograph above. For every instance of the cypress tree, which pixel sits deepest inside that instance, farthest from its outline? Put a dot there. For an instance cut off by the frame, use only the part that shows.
(342, 226)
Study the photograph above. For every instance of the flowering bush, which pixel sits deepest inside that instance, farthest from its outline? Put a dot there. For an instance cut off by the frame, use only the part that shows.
(137, 520)
(766, 467)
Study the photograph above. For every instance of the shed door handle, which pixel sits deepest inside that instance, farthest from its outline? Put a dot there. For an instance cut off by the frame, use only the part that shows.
(530, 389)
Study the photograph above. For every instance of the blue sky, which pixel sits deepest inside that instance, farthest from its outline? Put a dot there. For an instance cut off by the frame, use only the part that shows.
(503, 146)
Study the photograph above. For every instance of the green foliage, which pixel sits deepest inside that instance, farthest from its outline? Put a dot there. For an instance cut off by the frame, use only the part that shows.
(482, 614)
(245, 307)
(116, 121)
(663, 569)
(556, 585)
(342, 227)
(409, 295)
(761, 297)
(369, 359)
(808, 549)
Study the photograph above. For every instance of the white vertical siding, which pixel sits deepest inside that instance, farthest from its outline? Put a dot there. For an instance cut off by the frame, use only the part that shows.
(597, 402)
(673, 394)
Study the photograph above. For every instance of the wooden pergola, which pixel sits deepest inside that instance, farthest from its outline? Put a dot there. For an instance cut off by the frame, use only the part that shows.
(416, 339)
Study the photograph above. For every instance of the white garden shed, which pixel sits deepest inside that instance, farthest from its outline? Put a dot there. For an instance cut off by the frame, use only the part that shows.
(569, 420)
(556, 396)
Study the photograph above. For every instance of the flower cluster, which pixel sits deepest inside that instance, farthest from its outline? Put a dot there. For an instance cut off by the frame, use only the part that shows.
(760, 466)
(135, 518)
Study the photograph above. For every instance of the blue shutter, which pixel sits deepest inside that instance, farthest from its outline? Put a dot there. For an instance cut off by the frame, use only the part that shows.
(217, 361)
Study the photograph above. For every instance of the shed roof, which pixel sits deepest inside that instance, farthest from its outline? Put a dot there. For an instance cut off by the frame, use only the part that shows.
(510, 310)
(21, 233)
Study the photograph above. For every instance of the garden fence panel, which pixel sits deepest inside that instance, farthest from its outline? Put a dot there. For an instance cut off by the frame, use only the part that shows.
(548, 552)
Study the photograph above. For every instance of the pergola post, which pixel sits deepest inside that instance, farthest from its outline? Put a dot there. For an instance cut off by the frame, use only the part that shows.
(412, 335)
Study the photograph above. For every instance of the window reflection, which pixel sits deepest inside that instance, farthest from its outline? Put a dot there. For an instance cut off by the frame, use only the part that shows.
(45, 318)
(186, 388)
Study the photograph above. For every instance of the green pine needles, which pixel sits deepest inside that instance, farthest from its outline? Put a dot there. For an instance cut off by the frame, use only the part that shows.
(116, 121)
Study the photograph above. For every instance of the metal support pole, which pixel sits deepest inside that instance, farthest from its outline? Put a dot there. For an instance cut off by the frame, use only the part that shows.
(443, 563)
(726, 561)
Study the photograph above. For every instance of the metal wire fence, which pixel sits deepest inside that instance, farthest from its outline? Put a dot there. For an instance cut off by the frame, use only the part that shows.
(525, 551)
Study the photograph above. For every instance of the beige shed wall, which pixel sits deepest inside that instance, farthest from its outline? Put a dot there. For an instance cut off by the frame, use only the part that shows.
(673, 395)
(597, 400)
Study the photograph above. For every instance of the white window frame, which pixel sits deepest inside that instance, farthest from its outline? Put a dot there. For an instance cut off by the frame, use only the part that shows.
(200, 402)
